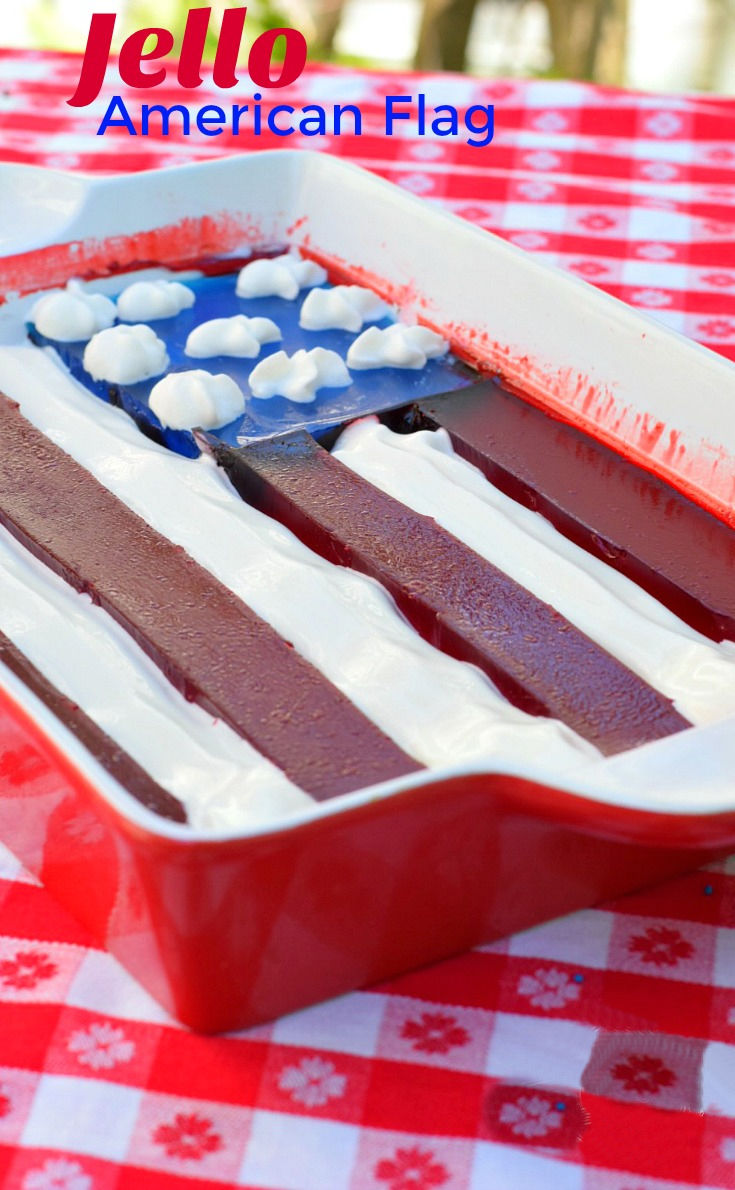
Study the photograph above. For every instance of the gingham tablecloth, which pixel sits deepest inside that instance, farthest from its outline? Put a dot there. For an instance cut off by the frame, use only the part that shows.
(594, 1053)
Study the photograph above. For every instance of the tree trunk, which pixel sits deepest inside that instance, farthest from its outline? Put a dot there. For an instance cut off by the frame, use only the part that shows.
(327, 15)
(443, 34)
(588, 38)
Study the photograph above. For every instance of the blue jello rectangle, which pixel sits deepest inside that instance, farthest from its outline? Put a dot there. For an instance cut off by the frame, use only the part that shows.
(371, 390)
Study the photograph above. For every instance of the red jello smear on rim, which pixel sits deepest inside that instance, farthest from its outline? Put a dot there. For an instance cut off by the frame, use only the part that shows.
(208, 643)
(201, 243)
(631, 519)
(452, 596)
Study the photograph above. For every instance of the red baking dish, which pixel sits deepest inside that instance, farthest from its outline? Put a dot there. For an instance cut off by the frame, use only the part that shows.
(230, 930)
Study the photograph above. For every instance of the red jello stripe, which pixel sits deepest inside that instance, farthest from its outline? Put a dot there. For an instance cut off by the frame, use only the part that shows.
(629, 518)
(455, 598)
(210, 645)
(118, 763)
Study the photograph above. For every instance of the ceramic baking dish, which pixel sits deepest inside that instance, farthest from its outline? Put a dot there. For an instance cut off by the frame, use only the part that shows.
(230, 930)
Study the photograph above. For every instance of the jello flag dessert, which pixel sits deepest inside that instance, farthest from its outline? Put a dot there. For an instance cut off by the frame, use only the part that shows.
(454, 597)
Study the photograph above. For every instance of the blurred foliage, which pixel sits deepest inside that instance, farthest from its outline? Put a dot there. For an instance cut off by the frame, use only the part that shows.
(573, 39)
(262, 14)
(50, 27)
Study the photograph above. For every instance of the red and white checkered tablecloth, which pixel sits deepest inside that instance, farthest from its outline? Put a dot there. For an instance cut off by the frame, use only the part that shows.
(594, 1053)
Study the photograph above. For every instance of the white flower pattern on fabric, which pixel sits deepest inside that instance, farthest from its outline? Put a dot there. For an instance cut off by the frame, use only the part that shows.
(651, 297)
(101, 1046)
(655, 251)
(550, 122)
(663, 124)
(542, 160)
(659, 171)
(530, 1116)
(313, 1082)
(548, 988)
(536, 191)
(532, 241)
(58, 1174)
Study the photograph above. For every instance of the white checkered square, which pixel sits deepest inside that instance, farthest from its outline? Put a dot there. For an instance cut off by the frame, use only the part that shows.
(526, 1049)
(505, 1166)
(82, 1115)
(646, 223)
(102, 985)
(350, 1024)
(582, 939)
(541, 93)
(530, 216)
(718, 1079)
(675, 320)
(678, 151)
(654, 274)
(290, 1153)
(12, 869)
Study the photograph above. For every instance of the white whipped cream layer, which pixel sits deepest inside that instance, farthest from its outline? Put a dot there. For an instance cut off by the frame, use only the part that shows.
(396, 346)
(441, 711)
(298, 377)
(72, 315)
(147, 301)
(422, 471)
(237, 336)
(125, 354)
(183, 400)
(279, 276)
(343, 307)
(218, 776)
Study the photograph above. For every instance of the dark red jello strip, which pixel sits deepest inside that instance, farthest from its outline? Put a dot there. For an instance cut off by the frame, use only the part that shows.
(455, 598)
(634, 521)
(210, 645)
(118, 763)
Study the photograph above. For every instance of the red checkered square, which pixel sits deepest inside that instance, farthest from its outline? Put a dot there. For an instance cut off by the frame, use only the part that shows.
(663, 948)
(189, 1137)
(396, 1161)
(314, 1083)
(53, 1169)
(17, 1088)
(718, 1152)
(431, 1034)
(36, 972)
(102, 1047)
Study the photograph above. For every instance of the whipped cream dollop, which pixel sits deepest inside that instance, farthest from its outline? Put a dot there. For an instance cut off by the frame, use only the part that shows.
(183, 400)
(72, 314)
(146, 301)
(422, 471)
(344, 307)
(237, 336)
(299, 376)
(279, 276)
(396, 346)
(125, 354)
